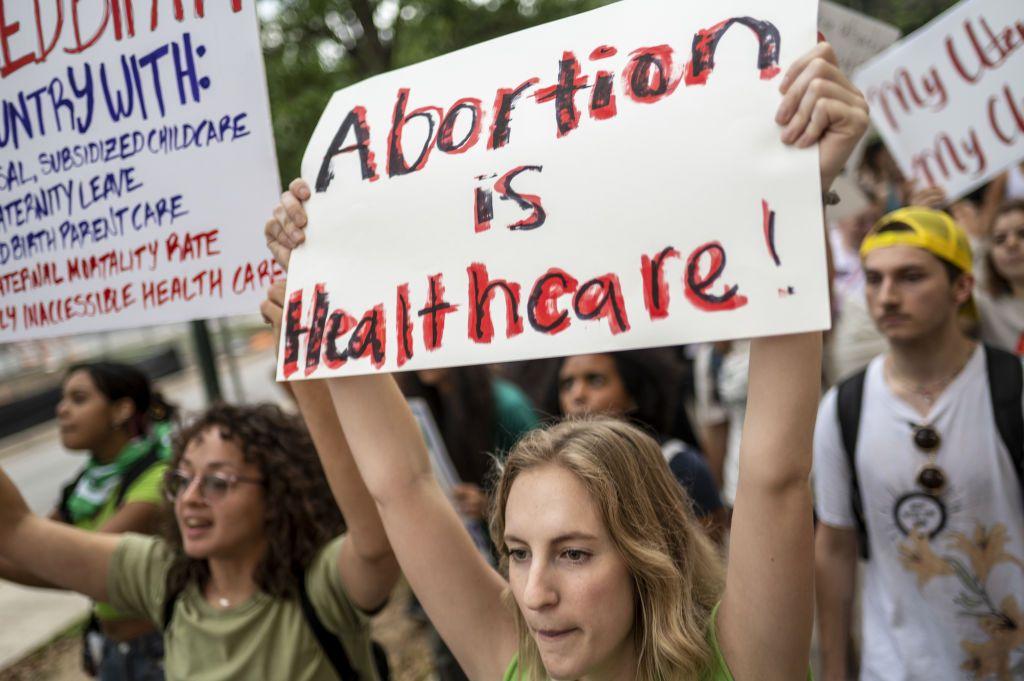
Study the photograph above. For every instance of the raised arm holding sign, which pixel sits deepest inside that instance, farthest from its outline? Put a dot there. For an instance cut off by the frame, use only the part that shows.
(594, 532)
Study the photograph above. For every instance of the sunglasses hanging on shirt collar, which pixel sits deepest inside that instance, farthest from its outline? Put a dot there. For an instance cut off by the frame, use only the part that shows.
(930, 476)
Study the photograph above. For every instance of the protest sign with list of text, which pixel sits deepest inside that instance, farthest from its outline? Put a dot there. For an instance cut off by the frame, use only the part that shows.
(136, 164)
(949, 99)
(607, 181)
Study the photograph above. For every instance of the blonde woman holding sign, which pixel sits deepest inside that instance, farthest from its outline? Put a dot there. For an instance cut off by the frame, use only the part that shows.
(606, 573)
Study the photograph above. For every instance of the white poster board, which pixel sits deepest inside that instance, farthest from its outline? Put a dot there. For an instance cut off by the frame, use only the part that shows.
(949, 99)
(602, 182)
(855, 37)
(136, 165)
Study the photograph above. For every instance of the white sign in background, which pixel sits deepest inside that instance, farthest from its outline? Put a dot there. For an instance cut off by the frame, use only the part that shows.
(136, 166)
(949, 99)
(697, 166)
(855, 37)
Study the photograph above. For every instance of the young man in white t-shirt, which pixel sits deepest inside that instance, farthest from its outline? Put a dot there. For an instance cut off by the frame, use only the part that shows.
(937, 489)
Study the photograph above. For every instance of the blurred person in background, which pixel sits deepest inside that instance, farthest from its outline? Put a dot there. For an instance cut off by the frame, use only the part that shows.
(642, 387)
(917, 468)
(1004, 187)
(110, 412)
(709, 414)
(854, 340)
(480, 416)
(879, 172)
(720, 381)
(1001, 299)
(532, 376)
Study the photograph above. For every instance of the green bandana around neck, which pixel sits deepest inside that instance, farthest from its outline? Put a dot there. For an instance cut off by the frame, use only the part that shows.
(98, 483)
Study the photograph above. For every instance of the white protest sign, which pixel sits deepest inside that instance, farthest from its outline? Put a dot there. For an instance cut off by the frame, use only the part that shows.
(612, 180)
(949, 99)
(136, 164)
(855, 37)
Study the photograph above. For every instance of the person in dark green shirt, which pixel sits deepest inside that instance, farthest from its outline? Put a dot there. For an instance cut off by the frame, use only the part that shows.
(606, 574)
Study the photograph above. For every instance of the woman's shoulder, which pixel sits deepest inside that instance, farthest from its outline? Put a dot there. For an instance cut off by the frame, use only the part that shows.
(327, 594)
(137, 548)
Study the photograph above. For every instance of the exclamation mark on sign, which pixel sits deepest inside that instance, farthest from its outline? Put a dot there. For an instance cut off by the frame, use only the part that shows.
(768, 223)
(769, 231)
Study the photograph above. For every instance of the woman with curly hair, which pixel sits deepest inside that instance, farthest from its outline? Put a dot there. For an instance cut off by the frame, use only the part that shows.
(253, 578)
(605, 573)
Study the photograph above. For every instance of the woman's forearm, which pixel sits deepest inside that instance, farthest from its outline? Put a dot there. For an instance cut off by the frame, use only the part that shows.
(13, 573)
(782, 403)
(365, 530)
(382, 433)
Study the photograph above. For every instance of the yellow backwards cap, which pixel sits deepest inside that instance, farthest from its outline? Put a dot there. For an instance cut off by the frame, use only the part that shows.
(932, 230)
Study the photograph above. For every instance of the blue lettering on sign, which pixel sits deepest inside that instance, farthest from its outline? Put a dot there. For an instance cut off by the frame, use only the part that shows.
(163, 139)
(131, 88)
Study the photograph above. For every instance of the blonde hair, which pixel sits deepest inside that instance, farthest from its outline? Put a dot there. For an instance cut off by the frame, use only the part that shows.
(677, 571)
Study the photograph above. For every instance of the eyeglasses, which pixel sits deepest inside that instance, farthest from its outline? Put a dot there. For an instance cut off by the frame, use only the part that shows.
(212, 486)
(930, 475)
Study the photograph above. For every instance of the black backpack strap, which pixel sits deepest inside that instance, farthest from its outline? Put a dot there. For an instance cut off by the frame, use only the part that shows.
(849, 399)
(135, 471)
(1006, 384)
(329, 643)
(169, 601)
(65, 494)
(380, 661)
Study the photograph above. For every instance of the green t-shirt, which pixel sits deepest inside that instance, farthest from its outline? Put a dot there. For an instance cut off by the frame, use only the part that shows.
(719, 671)
(146, 489)
(263, 638)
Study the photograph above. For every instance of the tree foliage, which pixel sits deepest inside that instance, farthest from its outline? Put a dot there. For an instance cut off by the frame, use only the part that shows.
(314, 47)
(907, 15)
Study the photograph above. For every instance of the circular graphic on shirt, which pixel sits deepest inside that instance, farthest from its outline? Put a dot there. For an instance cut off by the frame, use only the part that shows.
(922, 512)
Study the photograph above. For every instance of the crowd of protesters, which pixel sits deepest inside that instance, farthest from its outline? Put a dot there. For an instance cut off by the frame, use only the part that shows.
(649, 511)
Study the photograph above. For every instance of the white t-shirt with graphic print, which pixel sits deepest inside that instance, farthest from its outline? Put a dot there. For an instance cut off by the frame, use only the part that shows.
(944, 587)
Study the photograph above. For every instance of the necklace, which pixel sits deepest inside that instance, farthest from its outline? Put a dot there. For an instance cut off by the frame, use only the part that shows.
(220, 601)
(930, 390)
